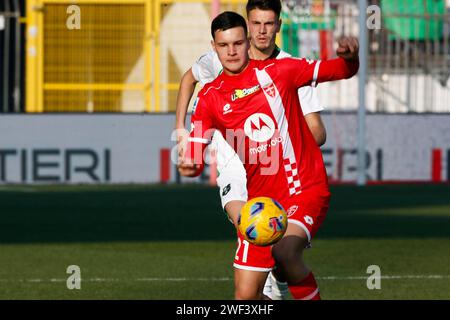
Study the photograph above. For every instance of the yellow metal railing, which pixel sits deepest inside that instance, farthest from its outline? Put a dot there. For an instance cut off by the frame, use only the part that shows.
(114, 62)
(87, 69)
(171, 88)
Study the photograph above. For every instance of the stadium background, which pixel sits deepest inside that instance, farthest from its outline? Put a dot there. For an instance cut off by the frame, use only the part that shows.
(86, 175)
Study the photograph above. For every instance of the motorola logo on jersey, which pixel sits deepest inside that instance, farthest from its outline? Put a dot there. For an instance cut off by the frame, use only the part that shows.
(259, 127)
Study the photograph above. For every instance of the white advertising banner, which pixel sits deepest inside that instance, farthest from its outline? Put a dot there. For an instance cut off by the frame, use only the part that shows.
(82, 148)
(127, 148)
(399, 147)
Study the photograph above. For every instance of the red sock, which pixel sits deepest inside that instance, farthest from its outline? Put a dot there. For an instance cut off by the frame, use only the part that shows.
(306, 289)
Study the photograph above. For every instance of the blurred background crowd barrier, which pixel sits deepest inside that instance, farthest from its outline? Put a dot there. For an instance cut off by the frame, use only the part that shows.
(88, 88)
(129, 55)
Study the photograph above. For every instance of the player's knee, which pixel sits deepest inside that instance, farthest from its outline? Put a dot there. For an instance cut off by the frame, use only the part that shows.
(244, 291)
(284, 257)
(278, 253)
(288, 251)
(247, 293)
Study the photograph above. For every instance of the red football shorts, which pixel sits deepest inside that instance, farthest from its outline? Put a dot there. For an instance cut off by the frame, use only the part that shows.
(306, 210)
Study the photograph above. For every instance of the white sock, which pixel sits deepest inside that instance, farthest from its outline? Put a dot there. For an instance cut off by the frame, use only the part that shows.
(275, 289)
(268, 286)
(280, 290)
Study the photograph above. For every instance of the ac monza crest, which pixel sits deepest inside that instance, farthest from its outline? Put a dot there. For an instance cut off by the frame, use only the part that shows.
(291, 210)
(270, 90)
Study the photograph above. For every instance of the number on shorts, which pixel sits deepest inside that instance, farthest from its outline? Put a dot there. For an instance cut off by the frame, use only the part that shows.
(245, 254)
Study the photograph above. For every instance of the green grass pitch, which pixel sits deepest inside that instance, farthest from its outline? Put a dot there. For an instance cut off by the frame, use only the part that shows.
(174, 242)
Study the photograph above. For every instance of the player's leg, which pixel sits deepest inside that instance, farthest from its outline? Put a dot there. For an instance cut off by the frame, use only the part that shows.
(249, 284)
(232, 183)
(273, 289)
(291, 268)
(276, 288)
(305, 215)
(251, 264)
(288, 254)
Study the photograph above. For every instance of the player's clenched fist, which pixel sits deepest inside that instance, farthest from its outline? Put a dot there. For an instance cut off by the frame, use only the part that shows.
(188, 169)
(348, 48)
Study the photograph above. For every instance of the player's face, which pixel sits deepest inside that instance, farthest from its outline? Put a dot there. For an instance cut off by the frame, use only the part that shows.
(232, 49)
(263, 26)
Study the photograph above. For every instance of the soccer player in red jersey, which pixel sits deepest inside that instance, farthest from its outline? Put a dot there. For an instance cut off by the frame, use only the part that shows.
(263, 25)
(254, 104)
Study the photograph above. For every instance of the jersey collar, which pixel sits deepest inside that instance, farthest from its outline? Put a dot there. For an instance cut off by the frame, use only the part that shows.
(275, 53)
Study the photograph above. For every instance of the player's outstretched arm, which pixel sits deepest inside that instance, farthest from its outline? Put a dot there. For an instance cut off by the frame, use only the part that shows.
(348, 48)
(188, 169)
(305, 72)
(343, 67)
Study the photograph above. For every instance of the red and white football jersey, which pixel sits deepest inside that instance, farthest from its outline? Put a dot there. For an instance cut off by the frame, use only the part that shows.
(257, 112)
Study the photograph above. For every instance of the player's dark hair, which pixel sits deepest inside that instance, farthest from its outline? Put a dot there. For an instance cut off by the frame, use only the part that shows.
(272, 5)
(227, 20)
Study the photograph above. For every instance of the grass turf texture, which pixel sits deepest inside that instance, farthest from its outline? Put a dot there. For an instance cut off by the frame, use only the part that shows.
(173, 242)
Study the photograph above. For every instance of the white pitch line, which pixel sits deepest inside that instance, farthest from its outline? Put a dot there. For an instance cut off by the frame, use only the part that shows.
(225, 279)
(185, 279)
(432, 276)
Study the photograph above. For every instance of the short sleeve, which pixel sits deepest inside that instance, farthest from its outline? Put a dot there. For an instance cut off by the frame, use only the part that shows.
(206, 68)
(305, 72)
(202, 130)
(309, 100)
